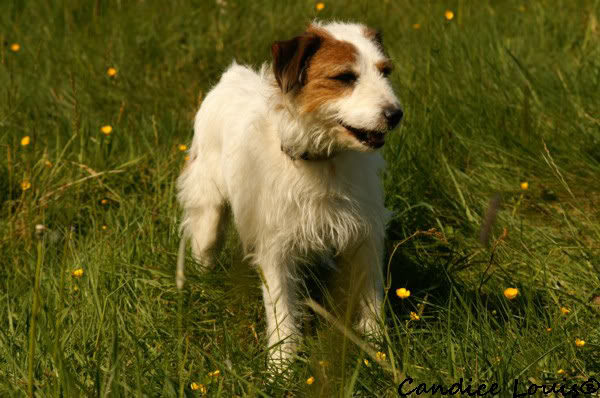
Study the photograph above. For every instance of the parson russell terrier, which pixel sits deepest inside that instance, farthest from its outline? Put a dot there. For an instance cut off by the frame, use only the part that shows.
(291, 150)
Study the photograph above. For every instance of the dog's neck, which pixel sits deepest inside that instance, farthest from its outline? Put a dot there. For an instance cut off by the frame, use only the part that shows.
(291, 128)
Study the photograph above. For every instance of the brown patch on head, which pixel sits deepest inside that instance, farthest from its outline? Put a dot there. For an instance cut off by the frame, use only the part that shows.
(385, 66)
(374, 35)
(333, 58)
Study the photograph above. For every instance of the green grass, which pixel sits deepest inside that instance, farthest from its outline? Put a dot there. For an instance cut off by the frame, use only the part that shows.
(506, 92)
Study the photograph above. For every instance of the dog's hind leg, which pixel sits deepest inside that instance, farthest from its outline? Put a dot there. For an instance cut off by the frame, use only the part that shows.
(203, 226)
(203, 215)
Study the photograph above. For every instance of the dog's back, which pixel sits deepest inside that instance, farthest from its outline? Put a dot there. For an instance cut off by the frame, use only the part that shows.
(238, 96)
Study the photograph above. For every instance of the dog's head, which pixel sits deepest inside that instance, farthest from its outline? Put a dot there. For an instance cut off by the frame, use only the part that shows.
(337, 75)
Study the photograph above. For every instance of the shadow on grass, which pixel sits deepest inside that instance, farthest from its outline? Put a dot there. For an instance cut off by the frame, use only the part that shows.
(436, 280)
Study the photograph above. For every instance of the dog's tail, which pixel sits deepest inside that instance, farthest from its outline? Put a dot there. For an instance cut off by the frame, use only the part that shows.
(179, 277)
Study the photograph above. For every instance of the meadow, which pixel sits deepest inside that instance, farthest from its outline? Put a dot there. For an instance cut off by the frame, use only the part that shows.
(502, 113)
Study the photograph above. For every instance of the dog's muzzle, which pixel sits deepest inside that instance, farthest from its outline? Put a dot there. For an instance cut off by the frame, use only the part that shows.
(372, 139)
(376, 138)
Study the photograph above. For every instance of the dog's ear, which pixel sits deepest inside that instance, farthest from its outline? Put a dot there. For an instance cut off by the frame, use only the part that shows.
(290, 60)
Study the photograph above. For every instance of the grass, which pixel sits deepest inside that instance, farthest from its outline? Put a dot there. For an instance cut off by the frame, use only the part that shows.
(505, 92)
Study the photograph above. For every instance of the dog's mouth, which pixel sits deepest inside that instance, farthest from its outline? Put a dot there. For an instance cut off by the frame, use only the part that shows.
(371, 138)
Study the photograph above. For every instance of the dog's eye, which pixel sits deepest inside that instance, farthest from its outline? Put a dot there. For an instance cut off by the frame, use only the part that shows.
(346, 77)
(386, 71)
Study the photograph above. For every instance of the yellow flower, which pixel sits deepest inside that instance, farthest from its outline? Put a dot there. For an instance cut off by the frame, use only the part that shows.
(25, 185)
(380, 356)
(524, 185)
(324, 363)
(106, 129)
(182, 147)
(104, 201)
(449, 15)
(215, 373)
(78, 273)
(579, 342)
(511, 293)
(320, 6)
(310, 380)
(414, 316)
(561, 371)
(416, 26)
(549, 330)
(25, 140)
(366, 361)
(104, 227)
(111, 72)
(200, 387)
(15, 47)
(76, 288)
(186, 158)
(402, 293)
(565, 310)
(48, 164)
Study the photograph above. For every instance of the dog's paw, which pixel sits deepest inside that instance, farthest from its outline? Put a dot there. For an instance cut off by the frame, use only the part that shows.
(281, 356)
(370, 327)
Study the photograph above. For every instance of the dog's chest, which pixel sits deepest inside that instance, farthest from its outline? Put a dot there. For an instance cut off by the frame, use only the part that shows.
(317, 220)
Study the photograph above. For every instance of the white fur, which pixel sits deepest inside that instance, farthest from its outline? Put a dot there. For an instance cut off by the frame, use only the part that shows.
(290, 211)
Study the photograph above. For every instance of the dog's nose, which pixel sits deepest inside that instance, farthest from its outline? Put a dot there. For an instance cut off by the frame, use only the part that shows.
(393, 115)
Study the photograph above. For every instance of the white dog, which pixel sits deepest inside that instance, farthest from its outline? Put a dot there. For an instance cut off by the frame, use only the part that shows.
(291, 149)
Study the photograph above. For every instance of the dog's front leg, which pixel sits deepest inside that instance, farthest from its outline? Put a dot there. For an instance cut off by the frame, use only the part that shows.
(366, 266)
(279, 293)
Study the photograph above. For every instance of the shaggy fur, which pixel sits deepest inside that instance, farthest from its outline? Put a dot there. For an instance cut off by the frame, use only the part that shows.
(291, 149)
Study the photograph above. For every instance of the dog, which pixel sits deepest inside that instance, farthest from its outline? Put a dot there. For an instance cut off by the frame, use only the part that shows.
(291, 152)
